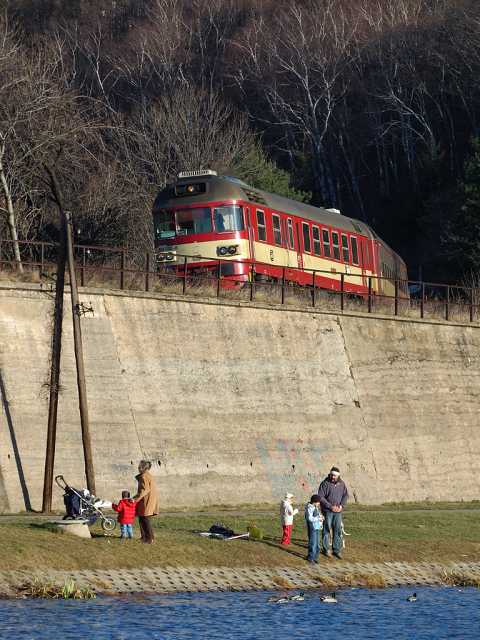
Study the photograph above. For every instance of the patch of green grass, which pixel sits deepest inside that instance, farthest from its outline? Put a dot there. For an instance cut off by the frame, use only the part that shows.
(382, 534)
(69, 590)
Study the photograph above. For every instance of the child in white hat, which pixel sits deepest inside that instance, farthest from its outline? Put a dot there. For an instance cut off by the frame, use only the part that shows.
(286, 516)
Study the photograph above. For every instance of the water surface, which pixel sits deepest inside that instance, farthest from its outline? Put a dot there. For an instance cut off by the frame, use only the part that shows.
(374, 614)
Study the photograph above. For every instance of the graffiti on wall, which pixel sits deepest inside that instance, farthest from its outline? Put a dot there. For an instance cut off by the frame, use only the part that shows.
(290, 465)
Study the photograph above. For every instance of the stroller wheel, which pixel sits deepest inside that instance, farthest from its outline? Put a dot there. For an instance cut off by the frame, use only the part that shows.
(108, 524)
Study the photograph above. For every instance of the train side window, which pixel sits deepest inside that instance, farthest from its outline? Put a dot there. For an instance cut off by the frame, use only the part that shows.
(306, 237)
(277, 229)
(291, 241)
(326, 242)
(345, 249)
(316, 241)
(262, 228)
(335, 245)
(353, 242)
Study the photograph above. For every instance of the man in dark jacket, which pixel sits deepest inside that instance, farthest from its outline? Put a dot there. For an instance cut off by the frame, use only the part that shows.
(333, 497)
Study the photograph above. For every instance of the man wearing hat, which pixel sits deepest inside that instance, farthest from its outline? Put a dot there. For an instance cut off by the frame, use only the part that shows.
(286, 517)
(333, 497)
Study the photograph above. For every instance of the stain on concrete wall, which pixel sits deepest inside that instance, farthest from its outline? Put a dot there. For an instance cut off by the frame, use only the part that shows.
(238, 405)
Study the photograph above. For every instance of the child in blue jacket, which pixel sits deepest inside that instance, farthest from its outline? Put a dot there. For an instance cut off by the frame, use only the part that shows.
(314, 520)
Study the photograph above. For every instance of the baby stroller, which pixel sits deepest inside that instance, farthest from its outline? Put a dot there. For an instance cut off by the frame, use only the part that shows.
(80, 504)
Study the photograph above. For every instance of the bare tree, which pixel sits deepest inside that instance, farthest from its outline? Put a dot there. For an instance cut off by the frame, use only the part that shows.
(8, 84)
(40, 115)
(298, 74)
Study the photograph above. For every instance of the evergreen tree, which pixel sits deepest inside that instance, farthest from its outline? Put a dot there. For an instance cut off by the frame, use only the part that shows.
(258, 171)
(461, 237)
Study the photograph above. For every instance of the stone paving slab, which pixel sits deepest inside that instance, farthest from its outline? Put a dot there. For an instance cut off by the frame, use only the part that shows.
(195, 579)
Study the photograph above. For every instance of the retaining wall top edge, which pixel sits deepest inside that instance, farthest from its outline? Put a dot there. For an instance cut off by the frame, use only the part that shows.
(13, 286)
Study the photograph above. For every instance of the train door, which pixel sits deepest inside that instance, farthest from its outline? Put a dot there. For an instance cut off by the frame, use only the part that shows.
(251, 243)
(298, 247)
(364, 259)
(292, 260)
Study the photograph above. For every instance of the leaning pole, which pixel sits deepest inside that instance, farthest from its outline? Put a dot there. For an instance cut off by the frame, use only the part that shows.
(55, 371)
(77, 336)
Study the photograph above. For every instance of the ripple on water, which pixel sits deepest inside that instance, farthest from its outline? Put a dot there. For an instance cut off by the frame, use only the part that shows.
(360, 613)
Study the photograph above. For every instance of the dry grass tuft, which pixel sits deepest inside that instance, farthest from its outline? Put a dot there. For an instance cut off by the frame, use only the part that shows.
(326, 582)
(368, 580)
(461, 579)
(283, 583)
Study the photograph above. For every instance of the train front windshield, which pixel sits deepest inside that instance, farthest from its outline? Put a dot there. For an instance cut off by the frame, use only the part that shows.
(186, 222)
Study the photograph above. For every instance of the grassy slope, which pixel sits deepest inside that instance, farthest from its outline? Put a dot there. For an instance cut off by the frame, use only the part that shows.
(432, 533)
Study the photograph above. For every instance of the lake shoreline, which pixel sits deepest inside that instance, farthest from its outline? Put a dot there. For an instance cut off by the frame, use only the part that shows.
(386, 546)
(326, 576)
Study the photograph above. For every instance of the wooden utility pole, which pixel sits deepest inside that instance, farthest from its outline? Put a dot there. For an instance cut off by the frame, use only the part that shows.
(55, 371)
(77, 333)
(77, 337)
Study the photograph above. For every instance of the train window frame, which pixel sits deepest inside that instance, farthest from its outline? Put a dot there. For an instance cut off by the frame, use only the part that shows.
(261, 227)
(159, 220)
(228, 213)
(327, 249)
(317, 244)
(354, 250)
(336, 245)
(277, 232)
(345, 248)
(306, 226)
(290, 236)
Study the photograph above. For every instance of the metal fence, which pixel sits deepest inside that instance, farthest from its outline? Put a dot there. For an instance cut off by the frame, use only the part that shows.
(118, 268)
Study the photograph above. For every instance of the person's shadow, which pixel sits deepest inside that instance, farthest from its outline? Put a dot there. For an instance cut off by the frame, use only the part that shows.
(273, 542)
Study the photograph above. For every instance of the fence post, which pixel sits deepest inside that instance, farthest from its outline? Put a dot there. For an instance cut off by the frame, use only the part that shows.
(396, 297)
(147, 271)
(42, 258)
(82, 270)
(447, 305)
(184, 287)
(252, 281)
(472, 301)
(283, 285)
(369, 294)
(422, 302)
(314, 293)
(342, 291)
(219, 275)
(122, 269)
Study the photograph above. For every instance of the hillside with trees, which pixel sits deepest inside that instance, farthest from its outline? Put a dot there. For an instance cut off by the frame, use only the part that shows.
(370, 106)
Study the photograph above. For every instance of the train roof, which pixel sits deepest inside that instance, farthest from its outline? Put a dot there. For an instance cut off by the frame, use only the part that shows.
(218, 188)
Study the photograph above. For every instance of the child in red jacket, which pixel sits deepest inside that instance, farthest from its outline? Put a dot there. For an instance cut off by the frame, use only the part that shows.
(126, 514)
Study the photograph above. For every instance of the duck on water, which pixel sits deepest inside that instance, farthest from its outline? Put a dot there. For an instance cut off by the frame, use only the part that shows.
(298, 597)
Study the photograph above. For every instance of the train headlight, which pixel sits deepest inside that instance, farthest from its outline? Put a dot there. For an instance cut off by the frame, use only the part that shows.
(169, 256)
(230, 251)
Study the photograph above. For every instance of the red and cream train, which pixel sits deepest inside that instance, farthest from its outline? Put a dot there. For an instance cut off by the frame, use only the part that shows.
(204, 217)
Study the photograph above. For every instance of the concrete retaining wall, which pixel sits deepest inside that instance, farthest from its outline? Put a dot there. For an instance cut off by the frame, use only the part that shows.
(237, 404)
(188, 579)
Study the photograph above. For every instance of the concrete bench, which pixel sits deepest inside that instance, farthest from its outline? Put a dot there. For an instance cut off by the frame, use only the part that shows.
(73, 527)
